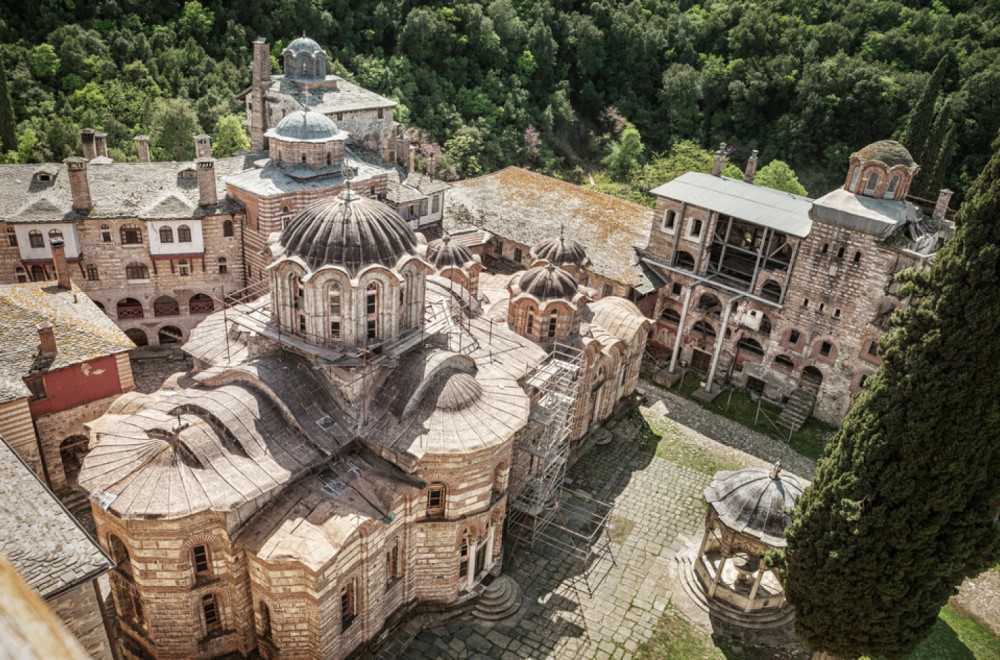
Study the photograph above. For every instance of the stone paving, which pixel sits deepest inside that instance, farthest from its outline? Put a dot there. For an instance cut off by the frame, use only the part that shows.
(658, 511)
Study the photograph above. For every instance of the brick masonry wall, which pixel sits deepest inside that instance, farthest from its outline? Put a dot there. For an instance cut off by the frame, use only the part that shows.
(17, 429)
(80, 610)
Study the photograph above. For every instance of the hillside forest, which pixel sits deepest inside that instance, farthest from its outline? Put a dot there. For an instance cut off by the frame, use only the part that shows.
(605, 89)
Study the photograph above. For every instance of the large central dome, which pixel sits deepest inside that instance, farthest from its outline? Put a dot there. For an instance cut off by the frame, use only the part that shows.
(306, 126)
(348, 231)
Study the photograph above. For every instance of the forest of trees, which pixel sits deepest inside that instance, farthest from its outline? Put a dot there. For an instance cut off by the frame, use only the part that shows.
(540, 83)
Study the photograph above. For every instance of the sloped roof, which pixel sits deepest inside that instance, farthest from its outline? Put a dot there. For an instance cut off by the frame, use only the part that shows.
(40, 538)
(345, 97)
(618, 316)
(428, 185)
(271, 179)
(142, 190)
(529, 208)
(754, 502)
(82, 332)
(767, 207)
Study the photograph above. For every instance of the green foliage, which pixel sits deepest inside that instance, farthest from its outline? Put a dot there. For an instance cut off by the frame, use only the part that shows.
(918, 128)
(231, 137)
(45, 61)
(8, 138)
(778, 175)
(903, 506)
(625, 154)
(174, 125)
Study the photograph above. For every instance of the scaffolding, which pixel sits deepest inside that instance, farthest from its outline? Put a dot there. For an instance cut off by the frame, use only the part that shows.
(542, 511)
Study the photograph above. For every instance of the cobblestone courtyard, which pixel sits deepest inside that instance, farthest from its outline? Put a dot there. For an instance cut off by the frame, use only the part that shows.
(658, 510)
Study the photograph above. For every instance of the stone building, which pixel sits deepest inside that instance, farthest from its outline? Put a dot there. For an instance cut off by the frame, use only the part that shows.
(56, 558)
(62, 363)
(341, 455)
(786, 295)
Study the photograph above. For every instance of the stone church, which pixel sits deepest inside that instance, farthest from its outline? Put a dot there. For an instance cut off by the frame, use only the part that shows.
(341, 456)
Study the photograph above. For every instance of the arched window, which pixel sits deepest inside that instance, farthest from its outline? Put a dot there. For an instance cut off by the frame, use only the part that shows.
(872, 183)
(223, 265)
(305, 68)
(130, 235)
(297, 294)
(136, 271)
(765, 325)
(166, 235)
(21, 274)
(854, 180)
(371, 310)
(553, 320)
(751, 347)
(303, 158)
(890, 192)
(92, 273)
(530, 325)
(55, 233)
(393, 566)
(119, 555)
(183, 234)
(329, 159)
(348, 605)
(201, 561)
(703, 329)
(669, 219)
(334, 295)
(857, 257)
(169, 334)
(671, 316)
(709, 304)
(840, 252)
(401, 306)
(436, 494)
(227, 230)
(35, 239)
(165, 306)
(201, 303)
(210, 610)
(771, 291)
(265, 620)
(684, 260)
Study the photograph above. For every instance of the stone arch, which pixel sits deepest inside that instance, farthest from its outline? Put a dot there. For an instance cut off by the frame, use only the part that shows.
(748, 346)
(684, 260)
(872, 176)
(703, 328)
(138, 336)
(811, 378)
(166, 306)
(825, 349)
(169, 334)
(227, 228)
(129, 308)
(211, 611)
(765, 325)
(71, 453)
(119, 552)
(710, 305)
(771, 290)
(784, 362)
(670, 315)
(200, 303)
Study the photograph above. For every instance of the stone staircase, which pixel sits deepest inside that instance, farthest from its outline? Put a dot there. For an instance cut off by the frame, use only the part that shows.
(500, 600)
(799, 407)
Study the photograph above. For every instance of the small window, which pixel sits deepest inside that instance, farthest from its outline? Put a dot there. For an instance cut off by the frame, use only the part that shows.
(393, 567)
(864, 380)
(348, 606)
(435, 203)
(11, 237)
(821, 305)
(873, 348)
(854, 180)
(463, 559)
(106, 233)
(20, 274)
(825, 348)
(223, 266)
(805, 302)
(35, 239)
(836, 313)
(183, 234)
(784, 362)
(670, 316)
(92, 273)
(793, 337)
(265, 620)
(872, 184)
(435, 499)
(381, 113)
(826, 248)
(303, 158)
(334, 295)
(669, 220)
(696, 229)
(893, 184)
(182, 265)
(607, 290)
(531, 320)
(37, 388)
(857, 257)
(684, 261)
(676, 289)
(227, 228)
(131, 235)
(340, 116)
(54, 234)
(42, 176)
(840, 253)
(201, 563)
(518, 255)
(553, 321)
(329, 159)
(166, 235)
(211, 611)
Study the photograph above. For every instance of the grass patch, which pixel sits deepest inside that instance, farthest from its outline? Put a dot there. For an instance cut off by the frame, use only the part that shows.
(663, 437)
(737, 405)
(958, 637)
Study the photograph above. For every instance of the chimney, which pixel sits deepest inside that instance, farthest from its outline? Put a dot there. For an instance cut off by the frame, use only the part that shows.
(79, 186)
(261, 60)
(413, 157)
(257, 102)
(941, 207)
(87, 138)
(751, 171)
(202, 146)
(59, 260)
(207, 193)
(720, 160)
(142, 147)
(101, 144)
(47, 338)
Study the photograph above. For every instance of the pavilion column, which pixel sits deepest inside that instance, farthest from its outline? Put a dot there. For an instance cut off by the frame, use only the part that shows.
(490, 534)
(680, 329)
(471, 559)
(756, 585)
(718, 574)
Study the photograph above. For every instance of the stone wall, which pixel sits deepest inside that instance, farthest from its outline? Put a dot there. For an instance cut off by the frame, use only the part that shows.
(17, 429)
(81, 611)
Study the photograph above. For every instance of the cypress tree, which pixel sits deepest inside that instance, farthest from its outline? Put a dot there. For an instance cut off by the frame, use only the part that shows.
(8, 137)
(935, 180)
(924, 185)
(918, 128)
(903, 506)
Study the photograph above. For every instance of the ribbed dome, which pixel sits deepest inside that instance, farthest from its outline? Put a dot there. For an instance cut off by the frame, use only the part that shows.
(889, 152)
(450, 253)
(547, 282)
(348, 231)
(454, 390)
(303, 45)
(753, 502)
(305, 126)
(560, 251)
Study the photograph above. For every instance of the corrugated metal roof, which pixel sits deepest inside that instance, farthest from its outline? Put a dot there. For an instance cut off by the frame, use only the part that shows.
(767, 207)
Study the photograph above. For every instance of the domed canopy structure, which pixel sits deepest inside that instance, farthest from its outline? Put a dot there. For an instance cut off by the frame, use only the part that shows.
(888, 152)
(547, 282)
(348, 231)
(560, 251)
(450, 254)
(303, 45)
(304, 60)
(306, 126)
(753, 502)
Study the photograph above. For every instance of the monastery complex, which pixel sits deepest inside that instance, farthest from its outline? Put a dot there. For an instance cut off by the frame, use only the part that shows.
(367, 423)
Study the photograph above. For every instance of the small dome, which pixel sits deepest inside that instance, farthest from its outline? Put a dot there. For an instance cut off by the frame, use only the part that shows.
(450, 253)
(547, 282)
(889, 152)
(560, 251)
(306, 126)
(454, 390)
(348, 231)
(754, 501)
(303, 45)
